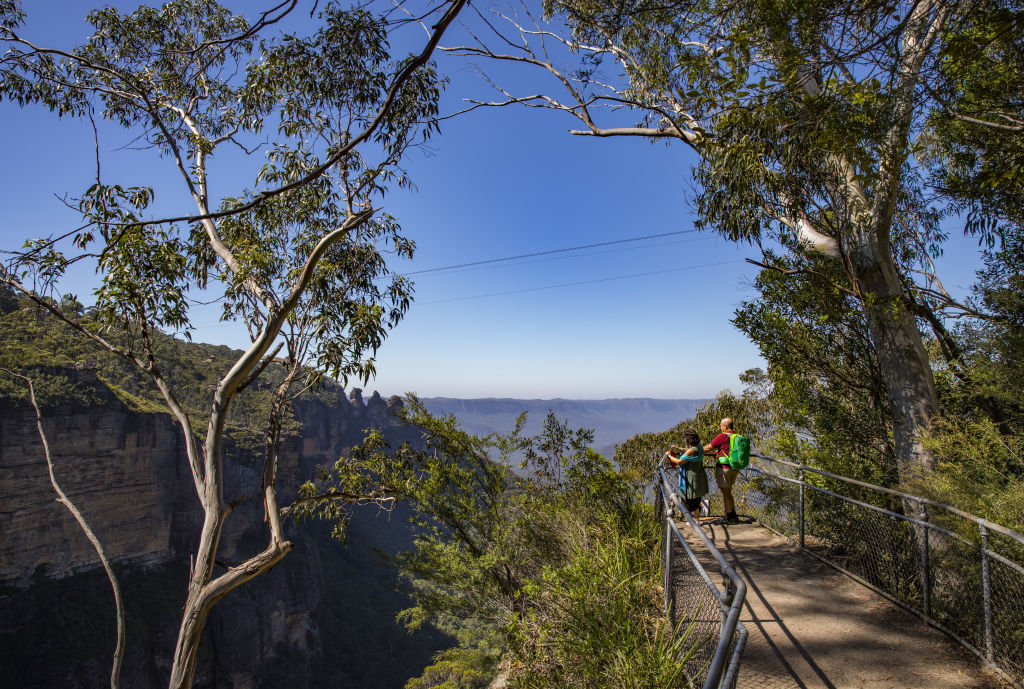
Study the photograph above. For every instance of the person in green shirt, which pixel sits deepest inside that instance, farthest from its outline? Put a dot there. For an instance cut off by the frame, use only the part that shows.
(693, 480)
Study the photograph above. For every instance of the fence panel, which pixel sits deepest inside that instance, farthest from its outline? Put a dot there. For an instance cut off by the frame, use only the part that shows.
(956, 571)
(707, 613)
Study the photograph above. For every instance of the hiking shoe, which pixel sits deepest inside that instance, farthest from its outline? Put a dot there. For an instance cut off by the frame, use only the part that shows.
(731, 518)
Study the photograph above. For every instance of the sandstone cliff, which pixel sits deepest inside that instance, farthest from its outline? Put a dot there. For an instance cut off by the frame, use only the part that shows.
(126, 471)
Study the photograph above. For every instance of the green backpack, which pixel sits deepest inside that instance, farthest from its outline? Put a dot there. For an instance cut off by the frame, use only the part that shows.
(739, 451)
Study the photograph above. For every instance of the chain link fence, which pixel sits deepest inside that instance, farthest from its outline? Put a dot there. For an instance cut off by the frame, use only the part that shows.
(958, 572)
(707, 614)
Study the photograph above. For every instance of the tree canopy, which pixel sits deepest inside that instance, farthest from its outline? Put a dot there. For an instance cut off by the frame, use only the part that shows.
(833, 137)
(295, 254)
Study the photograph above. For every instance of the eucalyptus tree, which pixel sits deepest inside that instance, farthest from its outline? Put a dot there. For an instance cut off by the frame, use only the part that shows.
(296, 254)
(806, 117)
(976, 129)
(550, 571)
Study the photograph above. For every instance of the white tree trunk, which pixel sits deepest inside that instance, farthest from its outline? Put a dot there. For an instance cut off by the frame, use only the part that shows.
(902, 358)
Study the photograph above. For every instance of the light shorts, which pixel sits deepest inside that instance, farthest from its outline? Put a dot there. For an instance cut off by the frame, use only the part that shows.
(725, 475)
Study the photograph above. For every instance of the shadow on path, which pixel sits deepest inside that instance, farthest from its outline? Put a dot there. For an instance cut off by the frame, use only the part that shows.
(772, 618)
(811, 627)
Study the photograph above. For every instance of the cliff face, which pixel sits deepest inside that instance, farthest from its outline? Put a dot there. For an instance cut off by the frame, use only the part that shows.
(126, 471)
(122, 469)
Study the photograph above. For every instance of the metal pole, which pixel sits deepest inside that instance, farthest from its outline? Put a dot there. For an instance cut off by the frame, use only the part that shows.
(986, 584)
(664, 562)
(670, 591)
(801, 517)
(922, 541)
(664, 514)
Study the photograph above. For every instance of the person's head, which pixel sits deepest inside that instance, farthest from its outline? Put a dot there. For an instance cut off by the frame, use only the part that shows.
(691, 438)
(726, 425)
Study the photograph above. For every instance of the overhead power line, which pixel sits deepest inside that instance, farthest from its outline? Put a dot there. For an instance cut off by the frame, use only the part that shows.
(549, 252)
(563, 257)
(582, 282)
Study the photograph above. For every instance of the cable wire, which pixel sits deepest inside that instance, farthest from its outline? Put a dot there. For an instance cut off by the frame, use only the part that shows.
(452, 271)
(582, 282)
(551, 251)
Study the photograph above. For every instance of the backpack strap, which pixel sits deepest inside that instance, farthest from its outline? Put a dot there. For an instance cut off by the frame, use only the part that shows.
(724, 459)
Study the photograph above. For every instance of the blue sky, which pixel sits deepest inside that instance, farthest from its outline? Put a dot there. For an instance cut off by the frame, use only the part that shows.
(496, 183)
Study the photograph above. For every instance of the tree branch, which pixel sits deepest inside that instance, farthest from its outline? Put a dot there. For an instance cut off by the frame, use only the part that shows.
(62, 498)
(805, 271)
(385, 110)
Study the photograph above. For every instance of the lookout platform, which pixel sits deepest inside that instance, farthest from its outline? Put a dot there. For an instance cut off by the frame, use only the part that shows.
(812, 627)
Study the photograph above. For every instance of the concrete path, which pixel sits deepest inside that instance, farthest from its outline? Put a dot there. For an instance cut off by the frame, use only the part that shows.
(812, 627)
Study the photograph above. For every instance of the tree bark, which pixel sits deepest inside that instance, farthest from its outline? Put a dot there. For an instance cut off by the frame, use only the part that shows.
(201, 601)
(902, 358)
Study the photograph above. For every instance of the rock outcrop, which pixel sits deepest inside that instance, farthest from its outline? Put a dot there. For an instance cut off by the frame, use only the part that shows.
(126, 471)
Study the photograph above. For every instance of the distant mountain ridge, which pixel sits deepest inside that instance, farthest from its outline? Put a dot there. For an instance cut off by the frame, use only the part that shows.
(613, 420)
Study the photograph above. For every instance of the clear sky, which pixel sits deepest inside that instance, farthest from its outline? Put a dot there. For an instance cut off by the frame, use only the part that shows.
(496, 183)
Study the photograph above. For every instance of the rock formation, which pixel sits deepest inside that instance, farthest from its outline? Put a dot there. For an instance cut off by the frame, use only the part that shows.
(127, 473)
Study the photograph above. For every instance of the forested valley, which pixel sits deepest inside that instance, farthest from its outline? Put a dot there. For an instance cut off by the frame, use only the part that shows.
(841, 143)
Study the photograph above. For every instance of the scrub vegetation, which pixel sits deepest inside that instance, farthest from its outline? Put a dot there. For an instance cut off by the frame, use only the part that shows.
(552, 572)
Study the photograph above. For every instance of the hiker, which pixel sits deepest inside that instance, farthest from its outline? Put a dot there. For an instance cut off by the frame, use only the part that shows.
(724, 474)
(693, 480)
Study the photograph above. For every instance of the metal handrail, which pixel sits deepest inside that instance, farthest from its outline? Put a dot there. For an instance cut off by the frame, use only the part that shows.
(724, 666)
(991, 526)
(992, 622)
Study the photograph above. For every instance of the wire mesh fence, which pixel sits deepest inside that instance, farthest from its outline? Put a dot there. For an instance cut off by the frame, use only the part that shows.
(706, 613)
(958, 572)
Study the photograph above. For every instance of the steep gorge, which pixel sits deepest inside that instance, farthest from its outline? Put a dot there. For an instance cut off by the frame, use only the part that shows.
(311, 621)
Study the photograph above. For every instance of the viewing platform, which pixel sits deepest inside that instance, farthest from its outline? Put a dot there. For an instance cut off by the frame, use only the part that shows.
(829, 582)
(812, 627)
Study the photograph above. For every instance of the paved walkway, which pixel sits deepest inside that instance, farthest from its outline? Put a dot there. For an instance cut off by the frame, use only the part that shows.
(812, 627)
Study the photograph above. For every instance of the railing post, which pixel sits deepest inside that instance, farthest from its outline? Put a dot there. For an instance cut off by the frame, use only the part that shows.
(922, 542)
(986, 585)
(800, 518)
(670, 591)
(660, 513)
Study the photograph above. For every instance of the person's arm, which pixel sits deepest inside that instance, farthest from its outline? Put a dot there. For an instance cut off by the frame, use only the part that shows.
(715, 445)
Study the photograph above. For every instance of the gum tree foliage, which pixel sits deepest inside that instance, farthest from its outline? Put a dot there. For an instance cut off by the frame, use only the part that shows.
(984, 457)
(811, 121)
(553, 570)
(296, 257)
(751, 412)
(975, 151)
(977, 144)
(824, 392)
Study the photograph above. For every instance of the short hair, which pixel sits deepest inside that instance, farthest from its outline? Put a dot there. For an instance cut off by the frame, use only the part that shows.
(691, 438)
(728, 422)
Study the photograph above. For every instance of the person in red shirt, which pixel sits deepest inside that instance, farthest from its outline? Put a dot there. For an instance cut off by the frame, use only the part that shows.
(724, 474)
